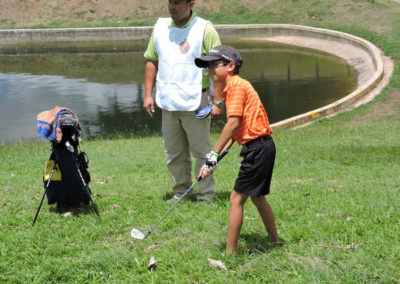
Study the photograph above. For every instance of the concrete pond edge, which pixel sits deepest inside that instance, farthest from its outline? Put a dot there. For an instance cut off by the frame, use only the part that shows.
(365, 57)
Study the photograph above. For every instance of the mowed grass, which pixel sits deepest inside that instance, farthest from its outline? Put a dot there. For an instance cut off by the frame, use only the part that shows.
(335, 194)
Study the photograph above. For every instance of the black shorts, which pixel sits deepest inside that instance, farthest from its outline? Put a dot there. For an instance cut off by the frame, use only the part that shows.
(255, 173)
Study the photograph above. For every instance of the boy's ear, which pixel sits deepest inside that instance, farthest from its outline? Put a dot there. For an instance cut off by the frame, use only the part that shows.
(231, 66)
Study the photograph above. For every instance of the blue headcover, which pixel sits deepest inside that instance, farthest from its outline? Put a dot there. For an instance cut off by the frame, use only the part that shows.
(203, 112)
(48, 125)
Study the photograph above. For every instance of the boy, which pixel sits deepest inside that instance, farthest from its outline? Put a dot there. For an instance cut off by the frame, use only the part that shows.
(247, 124)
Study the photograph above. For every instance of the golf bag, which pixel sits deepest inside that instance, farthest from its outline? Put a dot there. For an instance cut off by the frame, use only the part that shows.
(65, 176)
(66, 188)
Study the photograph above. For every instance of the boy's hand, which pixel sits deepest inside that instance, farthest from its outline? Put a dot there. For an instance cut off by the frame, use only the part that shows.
(212, 160)
(210, 165)
(205, 172)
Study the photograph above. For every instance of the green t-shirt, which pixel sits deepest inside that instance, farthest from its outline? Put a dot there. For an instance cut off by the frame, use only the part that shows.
(210, 40)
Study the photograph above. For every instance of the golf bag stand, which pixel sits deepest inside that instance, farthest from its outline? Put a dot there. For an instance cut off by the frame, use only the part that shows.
(65, 177)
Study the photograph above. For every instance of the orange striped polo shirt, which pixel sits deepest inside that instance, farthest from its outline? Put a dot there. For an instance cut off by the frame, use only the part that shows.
(242, 100)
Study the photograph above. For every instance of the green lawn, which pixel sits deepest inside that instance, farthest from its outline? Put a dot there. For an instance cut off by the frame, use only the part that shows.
(335, 194)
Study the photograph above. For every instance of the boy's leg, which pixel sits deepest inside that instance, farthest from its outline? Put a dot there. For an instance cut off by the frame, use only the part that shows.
(237, 202)
(267, 216)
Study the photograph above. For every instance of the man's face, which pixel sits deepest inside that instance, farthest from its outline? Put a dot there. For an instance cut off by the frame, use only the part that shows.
(180, 10)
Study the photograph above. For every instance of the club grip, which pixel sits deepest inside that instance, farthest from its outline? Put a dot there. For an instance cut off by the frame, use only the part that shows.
(222, 155)
(218, 159)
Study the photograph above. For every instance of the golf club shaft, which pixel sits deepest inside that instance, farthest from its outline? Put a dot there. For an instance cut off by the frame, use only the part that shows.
(87, 191)
(172, 208)
(183, 196)
(44, 193)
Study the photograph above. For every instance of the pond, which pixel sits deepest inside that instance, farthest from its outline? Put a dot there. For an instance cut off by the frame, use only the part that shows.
(103, 83)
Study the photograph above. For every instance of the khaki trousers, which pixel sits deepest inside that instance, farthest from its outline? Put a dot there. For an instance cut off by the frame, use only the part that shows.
(184, 134)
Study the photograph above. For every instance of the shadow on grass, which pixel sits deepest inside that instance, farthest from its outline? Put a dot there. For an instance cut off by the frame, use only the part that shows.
(83, 209)
(259, 244)
(254, 245)
(222, 196)
(219, 197)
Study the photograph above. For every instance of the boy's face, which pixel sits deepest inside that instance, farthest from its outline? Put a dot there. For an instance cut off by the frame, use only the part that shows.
(218, 70)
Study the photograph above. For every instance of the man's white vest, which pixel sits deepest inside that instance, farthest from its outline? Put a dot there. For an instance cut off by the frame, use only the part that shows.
(179, 81)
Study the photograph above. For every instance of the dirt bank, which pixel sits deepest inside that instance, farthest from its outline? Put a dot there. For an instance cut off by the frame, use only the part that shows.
(63, 13)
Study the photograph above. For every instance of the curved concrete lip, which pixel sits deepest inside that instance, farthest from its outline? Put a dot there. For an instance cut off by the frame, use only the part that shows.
(374, 69)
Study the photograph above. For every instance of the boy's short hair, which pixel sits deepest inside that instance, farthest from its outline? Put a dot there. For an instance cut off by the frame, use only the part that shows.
(222, 52)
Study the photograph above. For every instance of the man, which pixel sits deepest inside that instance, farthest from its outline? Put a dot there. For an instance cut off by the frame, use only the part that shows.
(181, 89)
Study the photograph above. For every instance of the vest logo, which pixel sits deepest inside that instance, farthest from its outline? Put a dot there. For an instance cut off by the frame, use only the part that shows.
(184, 46)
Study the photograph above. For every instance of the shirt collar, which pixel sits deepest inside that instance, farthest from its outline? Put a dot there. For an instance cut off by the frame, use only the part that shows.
(228, 86)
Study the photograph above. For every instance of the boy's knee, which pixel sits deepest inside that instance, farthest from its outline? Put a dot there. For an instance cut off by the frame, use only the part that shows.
(237, 199)
(259, 200)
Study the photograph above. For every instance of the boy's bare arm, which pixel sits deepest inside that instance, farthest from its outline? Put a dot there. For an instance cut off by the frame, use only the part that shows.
(226, 140)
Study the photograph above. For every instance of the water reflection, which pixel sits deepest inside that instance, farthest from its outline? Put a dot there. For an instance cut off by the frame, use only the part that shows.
(105, 85)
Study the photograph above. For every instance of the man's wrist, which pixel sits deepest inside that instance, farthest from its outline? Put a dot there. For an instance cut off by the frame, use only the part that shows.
(219, 104)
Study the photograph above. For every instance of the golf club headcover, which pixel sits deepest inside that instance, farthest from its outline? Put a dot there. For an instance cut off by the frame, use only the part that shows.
(212, 160)
(203, 112)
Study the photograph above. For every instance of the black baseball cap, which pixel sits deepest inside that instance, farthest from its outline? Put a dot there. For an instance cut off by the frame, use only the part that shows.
(221, 52)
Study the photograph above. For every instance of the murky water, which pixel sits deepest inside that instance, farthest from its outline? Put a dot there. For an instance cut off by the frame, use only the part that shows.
(104, 84)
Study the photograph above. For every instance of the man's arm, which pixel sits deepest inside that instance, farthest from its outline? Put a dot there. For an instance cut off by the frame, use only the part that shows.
(217, 111)
(151, 70)
(149, 82)
(211, 40)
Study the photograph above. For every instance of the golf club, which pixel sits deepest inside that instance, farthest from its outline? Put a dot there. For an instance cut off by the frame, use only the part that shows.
(44, 194)
(136, 234)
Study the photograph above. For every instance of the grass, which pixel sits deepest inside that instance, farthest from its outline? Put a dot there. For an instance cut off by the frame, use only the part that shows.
(335, 194)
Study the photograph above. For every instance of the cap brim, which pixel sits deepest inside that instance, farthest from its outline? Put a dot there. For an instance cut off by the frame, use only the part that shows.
(202, 62)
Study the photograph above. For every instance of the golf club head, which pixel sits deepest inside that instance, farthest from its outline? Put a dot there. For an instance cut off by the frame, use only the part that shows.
(136, 234)
(203, 112)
